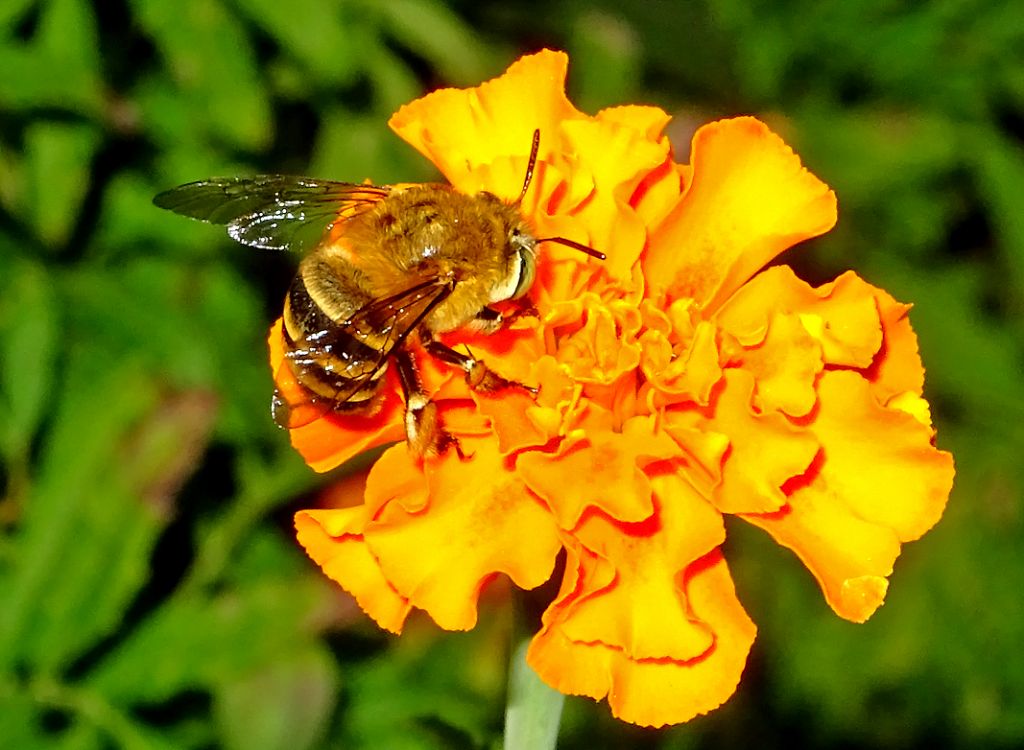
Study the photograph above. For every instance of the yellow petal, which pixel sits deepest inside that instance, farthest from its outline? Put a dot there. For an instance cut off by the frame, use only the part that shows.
(687, 376)
(785, 366)
(877, 482)
(334, 540)
(841, 316)
(652, 692)
(897, 368)
(644, 613)
(618, 156)
(460, 129)
(749, 199)
(600, 470)
(479, 521)
(765, 450)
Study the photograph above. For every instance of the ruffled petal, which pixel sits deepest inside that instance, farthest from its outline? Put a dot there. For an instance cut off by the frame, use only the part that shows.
(851, 558)
(651, 692)
(649, 122)
(841, 316)
(667, 385)
(334, 540)
(765, 450)
(618, 151)
(881, 461)
(785, 366)
(605, 347)
(461, 129)
(559, 401)
(605, 470)
(480, 520)
(688, 375)
(749, 199)
(643, 612)
(897, 367)
(878, 482)
(658, 692)
(397, 478)
(511, 420)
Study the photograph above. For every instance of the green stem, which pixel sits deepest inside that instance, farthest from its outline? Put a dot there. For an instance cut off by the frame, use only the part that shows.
(534, 709)
(94, 709)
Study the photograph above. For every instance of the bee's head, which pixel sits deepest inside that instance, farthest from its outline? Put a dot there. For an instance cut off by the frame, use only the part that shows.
(505, 254)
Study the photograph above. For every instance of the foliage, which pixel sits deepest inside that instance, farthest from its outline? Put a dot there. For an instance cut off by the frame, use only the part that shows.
(151, 594)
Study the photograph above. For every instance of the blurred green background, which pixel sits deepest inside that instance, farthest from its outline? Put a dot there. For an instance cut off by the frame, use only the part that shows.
(151, 594)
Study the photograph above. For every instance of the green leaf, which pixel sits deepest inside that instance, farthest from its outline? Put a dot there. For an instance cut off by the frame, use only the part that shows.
(316, 32)
(81, 736)
(1000, 164)
(20, 717)
(605, 53)
(194, 642)
(57, 173)
(226, 543)
(353, 147)
(90, 721)
(129, 220)
(29, 320)
(430, 690)
(60, 66)
(197, 325)
(12, 12)
(83, 544)
(213, 67)
(891, 171)
(394, 82)
(284, 705)
(432, 30)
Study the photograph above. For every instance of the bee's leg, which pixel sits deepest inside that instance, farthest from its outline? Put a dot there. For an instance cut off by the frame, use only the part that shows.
(489, 320)
(524, 308)
(423, 429)
(479, 376)
(486, 321)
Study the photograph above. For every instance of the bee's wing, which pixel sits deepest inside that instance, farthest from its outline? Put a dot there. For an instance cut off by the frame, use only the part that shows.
(387, 322)
(274, 212)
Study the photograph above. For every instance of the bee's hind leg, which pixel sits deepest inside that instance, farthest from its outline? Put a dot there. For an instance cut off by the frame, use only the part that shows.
(423, 428)
(479, 377)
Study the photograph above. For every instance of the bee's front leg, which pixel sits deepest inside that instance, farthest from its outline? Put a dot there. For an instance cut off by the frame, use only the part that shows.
(423, 428)
(479, 377)
(487, 321)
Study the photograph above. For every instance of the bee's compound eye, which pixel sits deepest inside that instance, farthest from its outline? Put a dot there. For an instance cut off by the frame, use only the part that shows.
(527, 272)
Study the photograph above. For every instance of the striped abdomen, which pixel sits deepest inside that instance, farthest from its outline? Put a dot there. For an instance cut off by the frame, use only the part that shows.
(331, 358)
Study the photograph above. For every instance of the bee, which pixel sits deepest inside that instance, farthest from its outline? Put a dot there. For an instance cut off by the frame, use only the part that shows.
(386, 267)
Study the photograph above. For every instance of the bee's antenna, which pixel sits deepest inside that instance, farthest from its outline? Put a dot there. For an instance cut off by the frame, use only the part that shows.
(530, 164)
(576, 245)
(526, 184)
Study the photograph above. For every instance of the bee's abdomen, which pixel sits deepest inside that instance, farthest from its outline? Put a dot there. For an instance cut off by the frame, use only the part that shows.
(330, 359)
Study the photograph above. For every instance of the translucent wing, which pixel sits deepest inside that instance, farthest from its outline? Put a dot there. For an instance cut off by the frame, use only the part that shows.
(384, 324)
(274, 212)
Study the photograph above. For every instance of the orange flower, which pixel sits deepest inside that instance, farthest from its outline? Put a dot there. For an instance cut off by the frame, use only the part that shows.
(677, 382)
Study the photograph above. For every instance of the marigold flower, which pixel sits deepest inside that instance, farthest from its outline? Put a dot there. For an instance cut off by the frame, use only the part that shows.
(676, 382)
